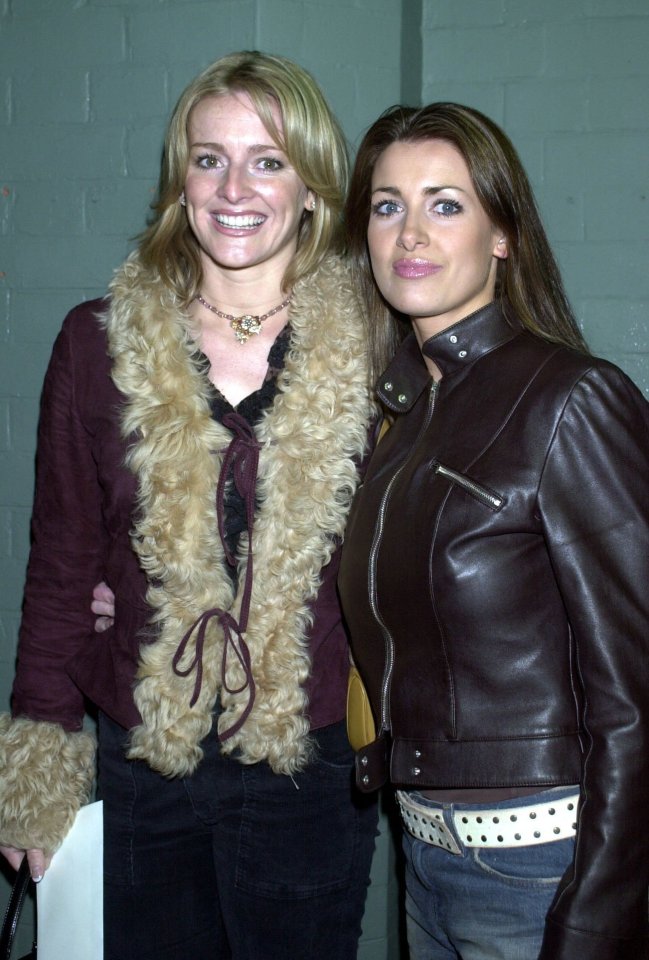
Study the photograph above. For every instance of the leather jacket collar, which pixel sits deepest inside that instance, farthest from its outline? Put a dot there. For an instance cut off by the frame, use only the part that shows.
(453, 349)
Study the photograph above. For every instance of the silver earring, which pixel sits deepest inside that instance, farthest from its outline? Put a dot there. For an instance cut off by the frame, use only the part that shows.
(312, 205)
(182, 200)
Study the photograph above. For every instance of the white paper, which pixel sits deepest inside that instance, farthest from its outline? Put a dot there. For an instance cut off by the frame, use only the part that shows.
(69, 898)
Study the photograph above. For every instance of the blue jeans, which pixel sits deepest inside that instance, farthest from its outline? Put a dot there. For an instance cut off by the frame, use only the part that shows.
(235, 862)
(487, 904)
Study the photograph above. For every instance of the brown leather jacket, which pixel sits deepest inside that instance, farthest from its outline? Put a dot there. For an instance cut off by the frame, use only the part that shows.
(495, 578)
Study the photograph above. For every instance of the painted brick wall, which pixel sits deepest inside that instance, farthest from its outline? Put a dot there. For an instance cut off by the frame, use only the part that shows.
(568, 81)
(85, 90)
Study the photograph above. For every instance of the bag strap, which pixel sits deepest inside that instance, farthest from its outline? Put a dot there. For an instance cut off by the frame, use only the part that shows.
(14, 908)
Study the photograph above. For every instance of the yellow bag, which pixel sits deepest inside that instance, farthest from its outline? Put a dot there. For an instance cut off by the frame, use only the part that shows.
(386, 423)
(361, 728)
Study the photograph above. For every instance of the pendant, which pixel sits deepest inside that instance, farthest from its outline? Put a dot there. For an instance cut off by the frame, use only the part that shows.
(245, 326)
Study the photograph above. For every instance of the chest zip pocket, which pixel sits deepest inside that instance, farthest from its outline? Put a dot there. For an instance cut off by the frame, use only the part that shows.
(490, 499)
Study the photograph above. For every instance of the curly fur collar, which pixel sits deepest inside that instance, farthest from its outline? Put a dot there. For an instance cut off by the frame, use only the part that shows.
(310, 440)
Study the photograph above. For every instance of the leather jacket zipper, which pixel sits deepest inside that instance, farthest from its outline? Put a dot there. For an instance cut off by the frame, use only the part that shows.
(378, 533)
(485, 496)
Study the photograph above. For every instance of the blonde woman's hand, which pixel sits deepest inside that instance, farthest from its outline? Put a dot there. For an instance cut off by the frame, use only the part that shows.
(103, 604)
(37, 859)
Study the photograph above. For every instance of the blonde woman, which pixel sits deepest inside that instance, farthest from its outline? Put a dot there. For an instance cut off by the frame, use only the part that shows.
(199, 446)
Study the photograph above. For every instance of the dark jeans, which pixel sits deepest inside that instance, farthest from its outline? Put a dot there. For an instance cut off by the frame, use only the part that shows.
(235, 862)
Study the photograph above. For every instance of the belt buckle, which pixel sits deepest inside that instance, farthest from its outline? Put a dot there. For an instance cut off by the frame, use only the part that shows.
(427, 824)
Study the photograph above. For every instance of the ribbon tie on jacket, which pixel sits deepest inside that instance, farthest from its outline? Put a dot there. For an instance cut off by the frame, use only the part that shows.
(241, 462)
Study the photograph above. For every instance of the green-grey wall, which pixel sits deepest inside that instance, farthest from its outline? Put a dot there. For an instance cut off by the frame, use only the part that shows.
(86, 85)
(569, 81)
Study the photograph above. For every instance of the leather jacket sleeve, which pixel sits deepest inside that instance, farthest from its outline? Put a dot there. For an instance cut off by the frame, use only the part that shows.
(593, 501)
(67, 540)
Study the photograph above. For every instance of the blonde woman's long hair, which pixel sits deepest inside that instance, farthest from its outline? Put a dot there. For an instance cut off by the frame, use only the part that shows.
(310, 137)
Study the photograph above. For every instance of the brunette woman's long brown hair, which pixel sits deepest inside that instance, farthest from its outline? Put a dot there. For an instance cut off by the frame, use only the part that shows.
(528, 282)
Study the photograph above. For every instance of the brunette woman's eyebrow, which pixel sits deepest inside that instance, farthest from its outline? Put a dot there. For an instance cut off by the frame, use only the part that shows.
(430, 191)
(427, 191)
(393, 191)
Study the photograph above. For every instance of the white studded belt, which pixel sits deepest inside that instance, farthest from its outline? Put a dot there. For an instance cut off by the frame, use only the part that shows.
(505, 827)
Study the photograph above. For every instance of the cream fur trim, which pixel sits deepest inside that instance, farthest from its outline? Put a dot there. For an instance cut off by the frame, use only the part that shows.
(46, 774)
(310, 439)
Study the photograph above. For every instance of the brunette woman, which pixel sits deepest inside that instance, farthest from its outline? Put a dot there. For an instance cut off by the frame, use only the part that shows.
(496, 564)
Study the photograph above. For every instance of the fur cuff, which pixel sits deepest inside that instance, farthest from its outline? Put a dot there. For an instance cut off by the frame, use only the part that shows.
(46, 774)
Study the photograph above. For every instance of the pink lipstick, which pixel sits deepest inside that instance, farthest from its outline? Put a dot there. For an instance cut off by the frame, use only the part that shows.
(414, 268)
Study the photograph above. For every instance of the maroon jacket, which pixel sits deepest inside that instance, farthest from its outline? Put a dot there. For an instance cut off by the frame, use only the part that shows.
(83, 512)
